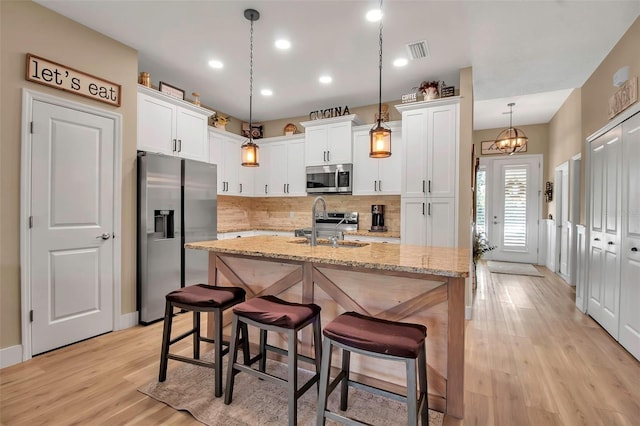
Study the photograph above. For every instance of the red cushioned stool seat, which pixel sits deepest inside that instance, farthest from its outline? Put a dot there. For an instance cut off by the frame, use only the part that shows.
(200, 298)
(375, 337)
(269, 313)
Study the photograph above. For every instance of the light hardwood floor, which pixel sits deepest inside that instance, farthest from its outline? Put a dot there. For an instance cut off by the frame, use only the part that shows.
(531, 359)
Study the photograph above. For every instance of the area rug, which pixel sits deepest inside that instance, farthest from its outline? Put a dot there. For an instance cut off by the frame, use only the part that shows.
(513, 268)
(258, 402)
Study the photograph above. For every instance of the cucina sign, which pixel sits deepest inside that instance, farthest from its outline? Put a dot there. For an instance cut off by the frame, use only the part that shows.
(329, 113)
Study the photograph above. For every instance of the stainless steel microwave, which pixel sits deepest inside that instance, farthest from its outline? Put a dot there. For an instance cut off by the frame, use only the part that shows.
(330, 179)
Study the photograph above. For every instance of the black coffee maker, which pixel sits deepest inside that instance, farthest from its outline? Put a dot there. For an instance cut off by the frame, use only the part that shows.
(377, 218)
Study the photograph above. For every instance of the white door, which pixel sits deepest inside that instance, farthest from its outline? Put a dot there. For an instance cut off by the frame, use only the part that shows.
(72, 198)
(513, 208)
(605, 232)
(562, 219)
(630, 282)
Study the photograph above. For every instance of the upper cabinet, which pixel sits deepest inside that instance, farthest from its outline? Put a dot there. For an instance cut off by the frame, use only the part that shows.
(328, 141)
(377, 176)
(171, 126)
(430, 136)
(283, 174)
(233, 179)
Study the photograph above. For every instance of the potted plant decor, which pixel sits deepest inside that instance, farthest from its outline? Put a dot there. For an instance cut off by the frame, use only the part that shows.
(480, 247)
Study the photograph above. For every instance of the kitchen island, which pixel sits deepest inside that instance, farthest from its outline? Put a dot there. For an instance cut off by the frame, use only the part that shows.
(416, 284)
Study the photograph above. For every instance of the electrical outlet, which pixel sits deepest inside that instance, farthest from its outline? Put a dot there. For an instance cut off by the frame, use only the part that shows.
(291, 215)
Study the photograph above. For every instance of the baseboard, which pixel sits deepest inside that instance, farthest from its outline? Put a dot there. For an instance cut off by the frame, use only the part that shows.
(128, 320)
(468, 310)
(10, 356)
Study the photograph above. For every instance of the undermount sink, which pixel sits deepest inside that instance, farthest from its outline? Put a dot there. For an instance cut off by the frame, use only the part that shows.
(328, 243)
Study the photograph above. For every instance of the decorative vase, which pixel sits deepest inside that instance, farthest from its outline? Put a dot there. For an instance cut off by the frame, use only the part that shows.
(431, 93)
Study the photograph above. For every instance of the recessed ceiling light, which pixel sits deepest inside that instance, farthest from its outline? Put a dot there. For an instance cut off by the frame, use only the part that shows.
(283, 44)
(215, 64)
(374, 15)
(400, 62)
(266, 92)
(325, 79)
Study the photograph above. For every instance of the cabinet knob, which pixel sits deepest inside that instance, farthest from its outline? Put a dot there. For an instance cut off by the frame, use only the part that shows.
(634, 248)
(610, 243)
(596, 239)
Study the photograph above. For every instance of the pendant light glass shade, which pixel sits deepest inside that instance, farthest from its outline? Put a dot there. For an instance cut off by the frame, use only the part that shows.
(250, 154)
(249, 148)
(380, 135)
(511, 140)
(380, 141)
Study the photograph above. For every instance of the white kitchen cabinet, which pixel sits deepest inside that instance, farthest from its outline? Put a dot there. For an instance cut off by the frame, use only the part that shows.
(431, 139)
(284, 172)
(428, 222)
(328, 141)
(613, 226)
(429, 178)
(233, 179)
(171, 126)
(376, 176)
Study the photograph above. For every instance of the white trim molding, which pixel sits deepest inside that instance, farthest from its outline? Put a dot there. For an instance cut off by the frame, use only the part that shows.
(10, 356)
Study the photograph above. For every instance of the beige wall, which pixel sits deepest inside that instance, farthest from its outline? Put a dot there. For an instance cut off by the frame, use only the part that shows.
(29, 28)
(565, 138)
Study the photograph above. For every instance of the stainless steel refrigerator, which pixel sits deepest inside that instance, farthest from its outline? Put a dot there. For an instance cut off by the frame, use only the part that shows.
(176, 204)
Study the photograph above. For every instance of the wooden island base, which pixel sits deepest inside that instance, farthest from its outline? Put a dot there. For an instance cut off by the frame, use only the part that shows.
(431, 299)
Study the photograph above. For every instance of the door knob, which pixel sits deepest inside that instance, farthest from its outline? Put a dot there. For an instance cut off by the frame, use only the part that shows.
(104, 236)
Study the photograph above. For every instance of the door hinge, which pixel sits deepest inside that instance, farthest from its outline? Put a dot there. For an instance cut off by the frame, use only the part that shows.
(31, 127)
(30, 222)
(31, 315)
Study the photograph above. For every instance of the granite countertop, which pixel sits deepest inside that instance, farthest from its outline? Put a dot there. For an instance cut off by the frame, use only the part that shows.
(360, 232)
(443, 261)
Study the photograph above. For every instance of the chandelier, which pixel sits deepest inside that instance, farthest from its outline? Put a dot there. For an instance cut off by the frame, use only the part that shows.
(511, 140)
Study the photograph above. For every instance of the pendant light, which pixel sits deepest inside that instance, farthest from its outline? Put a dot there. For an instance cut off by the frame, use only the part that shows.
(249, 148)
(380, 134)
(511, 140)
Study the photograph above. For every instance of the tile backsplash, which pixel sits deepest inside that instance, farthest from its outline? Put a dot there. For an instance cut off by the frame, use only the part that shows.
(295, 212)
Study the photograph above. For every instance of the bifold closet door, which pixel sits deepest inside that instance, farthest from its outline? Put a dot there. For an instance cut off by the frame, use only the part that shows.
(605, 232)
(629, 333)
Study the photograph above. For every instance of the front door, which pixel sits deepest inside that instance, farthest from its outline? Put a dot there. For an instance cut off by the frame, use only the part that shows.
(513, 205)
(71, 239)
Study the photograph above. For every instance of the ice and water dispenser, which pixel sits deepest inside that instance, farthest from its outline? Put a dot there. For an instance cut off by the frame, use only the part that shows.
(164, 224)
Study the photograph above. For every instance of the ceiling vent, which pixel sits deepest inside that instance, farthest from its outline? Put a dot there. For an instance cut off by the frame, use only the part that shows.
(418, 50)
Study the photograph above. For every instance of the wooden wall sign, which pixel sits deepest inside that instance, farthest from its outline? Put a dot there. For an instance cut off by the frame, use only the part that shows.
(52, 74)
(624, 97)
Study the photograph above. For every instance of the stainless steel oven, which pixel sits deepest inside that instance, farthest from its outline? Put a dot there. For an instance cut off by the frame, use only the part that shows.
(330, 179)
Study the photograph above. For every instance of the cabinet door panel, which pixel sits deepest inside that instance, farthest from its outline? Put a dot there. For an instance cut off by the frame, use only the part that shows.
(296, 173)
(597, 186)
(441, 151)
(441, 222)
(390, 169)
(414, 130)
(316, 145)
(155, 125)
(278, 169)
(365, 168)
(339, 143)
(192, 135)
(414, 224)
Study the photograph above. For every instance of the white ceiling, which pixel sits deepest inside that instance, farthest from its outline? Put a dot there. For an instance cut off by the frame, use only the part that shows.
(529, 52)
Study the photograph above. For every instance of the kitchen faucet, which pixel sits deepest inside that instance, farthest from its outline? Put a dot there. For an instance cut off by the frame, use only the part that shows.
(314, 234)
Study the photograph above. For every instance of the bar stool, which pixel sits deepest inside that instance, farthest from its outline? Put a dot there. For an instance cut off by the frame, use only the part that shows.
(270, 313)
(200, 298)
(377, 338)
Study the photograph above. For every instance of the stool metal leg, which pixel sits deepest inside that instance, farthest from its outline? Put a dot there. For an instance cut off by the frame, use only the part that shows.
(217, 347)
(344, 385)
(317, 346)
(412, 402)
(424, 390)
(196, 335)
(292, 359)
(324, 381)
(166, 338)
(233, 356)
(263, 350)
